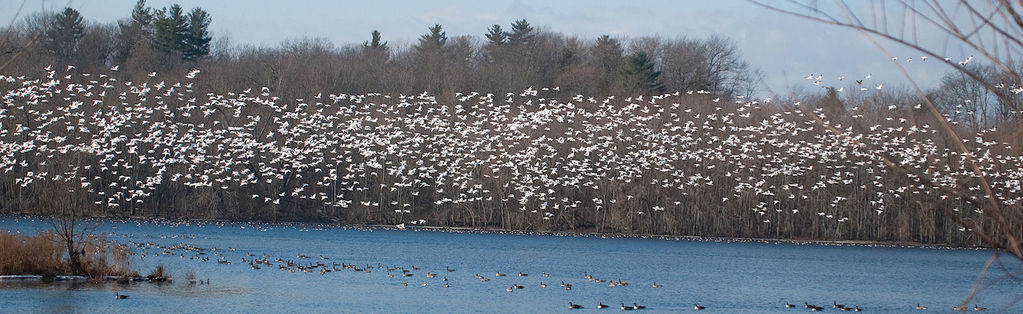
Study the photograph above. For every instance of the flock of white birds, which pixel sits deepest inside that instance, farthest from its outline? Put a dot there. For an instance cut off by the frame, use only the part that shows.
(539, 152)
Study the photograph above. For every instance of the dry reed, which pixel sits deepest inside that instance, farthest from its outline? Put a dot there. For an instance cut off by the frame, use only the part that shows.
(43, 255)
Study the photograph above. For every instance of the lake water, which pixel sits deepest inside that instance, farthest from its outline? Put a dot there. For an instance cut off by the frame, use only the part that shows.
(724, 277)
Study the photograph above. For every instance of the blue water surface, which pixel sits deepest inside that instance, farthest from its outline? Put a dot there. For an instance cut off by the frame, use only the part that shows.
(726, 277)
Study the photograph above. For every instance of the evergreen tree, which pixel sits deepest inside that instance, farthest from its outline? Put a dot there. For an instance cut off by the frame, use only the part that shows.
(138, 29)
(607, 59)
(521, 34)
(197, 41)
(374, 42)
(496, 36)
(431, 59)
(638, 74)
(171, 26)
(141, 15)
(520, 41)
(65, 33)
(496, 42)
(375, 49)
(432, 41)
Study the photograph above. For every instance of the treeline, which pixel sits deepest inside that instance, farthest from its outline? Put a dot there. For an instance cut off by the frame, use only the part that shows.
(168, 40)
(966, 101)
(678, 163)
(162, 38)
(666, 139)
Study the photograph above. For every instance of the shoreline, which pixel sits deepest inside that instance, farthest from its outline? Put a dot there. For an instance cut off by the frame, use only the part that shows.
(603, 235)
(77, 278)
(860, 243)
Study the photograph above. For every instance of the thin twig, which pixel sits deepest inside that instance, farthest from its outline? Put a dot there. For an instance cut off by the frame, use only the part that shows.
(993, 207)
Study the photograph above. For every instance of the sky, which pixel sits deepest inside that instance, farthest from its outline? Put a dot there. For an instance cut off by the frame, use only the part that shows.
(786, 48)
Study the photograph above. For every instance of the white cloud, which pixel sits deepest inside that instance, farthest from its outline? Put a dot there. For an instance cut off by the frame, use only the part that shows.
(440, 15)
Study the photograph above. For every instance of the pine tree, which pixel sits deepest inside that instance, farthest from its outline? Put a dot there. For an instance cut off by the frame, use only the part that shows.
(65, 33)
(431, 58)
(171, 27)
(496, 36)
(376, 49)
(521, 34)
(141, 14)
(197, 41)
(520, 40)
(497, 40)
(374, 42)
(138, 29)
(432, 41)
(607, 60)
(638, 74)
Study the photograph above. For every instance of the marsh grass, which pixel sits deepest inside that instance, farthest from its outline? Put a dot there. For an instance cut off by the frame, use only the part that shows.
(39, 255)
(159, 274)
(42, 254)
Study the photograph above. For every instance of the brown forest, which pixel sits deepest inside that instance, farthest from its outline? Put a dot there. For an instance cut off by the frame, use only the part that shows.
(525, 129)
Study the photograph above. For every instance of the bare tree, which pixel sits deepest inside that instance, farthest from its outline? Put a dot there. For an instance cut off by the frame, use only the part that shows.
(994, 32)
(63, 206)
(34, 25)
